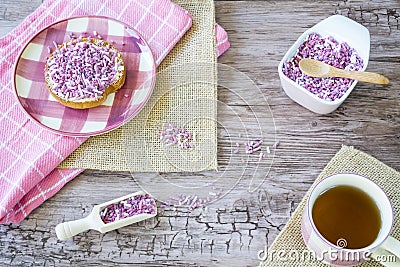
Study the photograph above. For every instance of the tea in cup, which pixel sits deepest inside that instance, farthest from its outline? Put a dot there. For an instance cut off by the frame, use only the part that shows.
(348, 219)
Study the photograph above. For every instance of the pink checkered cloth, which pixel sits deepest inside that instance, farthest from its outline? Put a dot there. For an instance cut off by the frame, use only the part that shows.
(222, 41)
(30, 154)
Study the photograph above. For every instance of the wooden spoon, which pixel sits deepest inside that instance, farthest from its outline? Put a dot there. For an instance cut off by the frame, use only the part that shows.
(315, 68)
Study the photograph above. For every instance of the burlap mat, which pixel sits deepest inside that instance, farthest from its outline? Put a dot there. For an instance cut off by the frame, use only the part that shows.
(347, 159)
(135, 147)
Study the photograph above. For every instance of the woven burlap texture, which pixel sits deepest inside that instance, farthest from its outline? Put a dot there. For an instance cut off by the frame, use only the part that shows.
(348, 159)
(185, 94)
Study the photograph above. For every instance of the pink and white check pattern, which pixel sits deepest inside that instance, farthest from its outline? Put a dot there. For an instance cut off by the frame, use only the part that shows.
(29, 154)
(118, 108)
(222, 42)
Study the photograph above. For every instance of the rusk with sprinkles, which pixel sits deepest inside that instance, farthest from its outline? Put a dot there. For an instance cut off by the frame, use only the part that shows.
(82, 72)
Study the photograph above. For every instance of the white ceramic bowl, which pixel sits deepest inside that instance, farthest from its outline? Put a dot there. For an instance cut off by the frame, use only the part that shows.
(342, 29)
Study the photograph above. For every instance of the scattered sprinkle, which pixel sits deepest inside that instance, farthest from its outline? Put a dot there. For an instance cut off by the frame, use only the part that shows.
(276, 144)
(194, 201)
(139, 204)
(253, 146)
(126, 95)
(173, 135)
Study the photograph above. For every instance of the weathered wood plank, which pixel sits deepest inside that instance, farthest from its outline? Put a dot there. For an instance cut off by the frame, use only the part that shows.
(234, 228)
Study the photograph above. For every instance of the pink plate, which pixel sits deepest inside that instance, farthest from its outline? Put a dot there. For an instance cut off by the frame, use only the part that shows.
(120, 107)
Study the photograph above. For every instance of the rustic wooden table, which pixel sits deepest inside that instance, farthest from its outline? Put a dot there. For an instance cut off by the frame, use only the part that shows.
(231, 231)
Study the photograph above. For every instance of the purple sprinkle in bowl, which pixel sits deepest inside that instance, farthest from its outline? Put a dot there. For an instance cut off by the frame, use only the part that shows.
(342, 29)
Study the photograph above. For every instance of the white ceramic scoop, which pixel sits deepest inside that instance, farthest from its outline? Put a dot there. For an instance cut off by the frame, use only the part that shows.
(93, 221)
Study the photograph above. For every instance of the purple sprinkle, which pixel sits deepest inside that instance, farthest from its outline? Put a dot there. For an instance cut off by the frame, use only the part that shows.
(192, 202)
(126, 95)
(185, 200)
(253, 146)
(178, 136)
(330, 51)
(257, 143)
(139, 204)
(276, 144)
(256, 149)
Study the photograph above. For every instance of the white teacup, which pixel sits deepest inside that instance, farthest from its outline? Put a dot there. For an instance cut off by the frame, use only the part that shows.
(384, 246)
